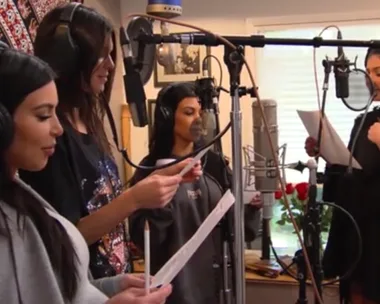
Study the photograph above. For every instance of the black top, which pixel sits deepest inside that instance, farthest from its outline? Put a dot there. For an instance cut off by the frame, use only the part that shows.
(359, 194)
(200, 281)
(80, 179)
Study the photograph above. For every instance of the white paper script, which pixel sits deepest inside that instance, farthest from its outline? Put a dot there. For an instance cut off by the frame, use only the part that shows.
(168, 272)
(333, 149)
(190, 165)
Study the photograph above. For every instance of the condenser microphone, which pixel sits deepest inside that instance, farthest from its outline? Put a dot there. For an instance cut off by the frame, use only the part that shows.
(133, 85)
(208, 96)
(264, 164)
(341, 72)
(165, 54)
(265, 170)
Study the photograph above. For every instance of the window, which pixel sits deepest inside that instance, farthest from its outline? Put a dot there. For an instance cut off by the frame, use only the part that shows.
(286, 74)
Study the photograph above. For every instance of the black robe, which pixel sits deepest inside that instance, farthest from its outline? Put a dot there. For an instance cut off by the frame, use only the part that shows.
(359, 194)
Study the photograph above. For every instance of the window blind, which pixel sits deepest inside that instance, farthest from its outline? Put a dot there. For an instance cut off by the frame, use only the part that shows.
(286, 74)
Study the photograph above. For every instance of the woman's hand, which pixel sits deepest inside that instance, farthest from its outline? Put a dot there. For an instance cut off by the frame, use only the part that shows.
(132, 280)
(154, 191)
(137, 296)
(310, 145)
(374, 134)
(158, 189)
(190, 176)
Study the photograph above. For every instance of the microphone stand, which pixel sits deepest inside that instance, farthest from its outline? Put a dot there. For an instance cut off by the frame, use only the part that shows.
(234, 62)
(207, 92)
(312, 219)
(311, 230)
(227, 235)
(311, 235)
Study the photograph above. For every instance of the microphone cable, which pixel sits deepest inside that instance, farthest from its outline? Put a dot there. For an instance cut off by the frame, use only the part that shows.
(219, 65)
(267, 131)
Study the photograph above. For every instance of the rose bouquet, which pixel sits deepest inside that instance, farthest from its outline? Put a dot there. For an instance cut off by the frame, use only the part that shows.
(297, 198)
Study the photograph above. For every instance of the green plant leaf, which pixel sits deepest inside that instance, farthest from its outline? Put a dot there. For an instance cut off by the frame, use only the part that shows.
(281, 222)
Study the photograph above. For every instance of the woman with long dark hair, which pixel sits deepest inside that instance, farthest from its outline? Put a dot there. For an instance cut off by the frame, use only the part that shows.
(81, 179)
(358, 192)
(177, 131)
(44, 258)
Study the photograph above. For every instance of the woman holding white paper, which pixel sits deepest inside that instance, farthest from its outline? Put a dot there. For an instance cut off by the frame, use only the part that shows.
(81, 179)
(359, 194)
(177, 132)
(44, 258)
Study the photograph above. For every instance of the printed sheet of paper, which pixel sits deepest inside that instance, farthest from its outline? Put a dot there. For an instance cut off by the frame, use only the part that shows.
(192, 163)
(332, 147)
(169, 271)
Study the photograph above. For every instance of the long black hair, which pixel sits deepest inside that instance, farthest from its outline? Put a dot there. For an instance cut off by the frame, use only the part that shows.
(162, 141)
(89, 31)
(20, 75)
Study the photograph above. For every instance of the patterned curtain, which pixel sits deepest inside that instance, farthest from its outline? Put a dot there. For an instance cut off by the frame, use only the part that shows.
(19, 20)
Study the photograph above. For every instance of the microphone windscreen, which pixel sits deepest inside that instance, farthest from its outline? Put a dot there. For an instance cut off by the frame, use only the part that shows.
(361, 89)
(196, 129)
(208, 125)
(144, 54)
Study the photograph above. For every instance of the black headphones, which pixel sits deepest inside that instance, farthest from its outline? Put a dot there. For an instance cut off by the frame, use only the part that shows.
(62, 54)
(6, 121)
(166, 111)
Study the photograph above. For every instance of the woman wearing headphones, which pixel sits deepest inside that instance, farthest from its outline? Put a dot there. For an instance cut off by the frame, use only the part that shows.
(177, 132)
(81, 179)
(357, 192)
(44, 258)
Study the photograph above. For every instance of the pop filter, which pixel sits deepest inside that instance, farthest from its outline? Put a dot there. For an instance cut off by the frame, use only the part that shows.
(361, 90)
(144, 54)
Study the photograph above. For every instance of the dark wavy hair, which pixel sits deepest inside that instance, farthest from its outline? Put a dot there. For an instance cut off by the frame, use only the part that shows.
(89, 31)
(371, 52)
(20, 75)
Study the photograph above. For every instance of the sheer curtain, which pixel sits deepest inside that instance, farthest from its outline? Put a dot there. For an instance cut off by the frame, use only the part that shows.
(286, 74)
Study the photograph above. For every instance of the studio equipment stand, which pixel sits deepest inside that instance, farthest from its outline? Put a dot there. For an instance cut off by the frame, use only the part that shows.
(312, 239)
(234, 61)
(209, 95)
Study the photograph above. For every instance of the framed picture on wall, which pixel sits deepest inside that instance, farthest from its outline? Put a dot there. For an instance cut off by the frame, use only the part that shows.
(151, 108)
(187, 65)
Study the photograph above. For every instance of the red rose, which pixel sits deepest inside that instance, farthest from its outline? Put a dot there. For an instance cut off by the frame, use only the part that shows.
(289, 189)
(302, 191)
(278, 194)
